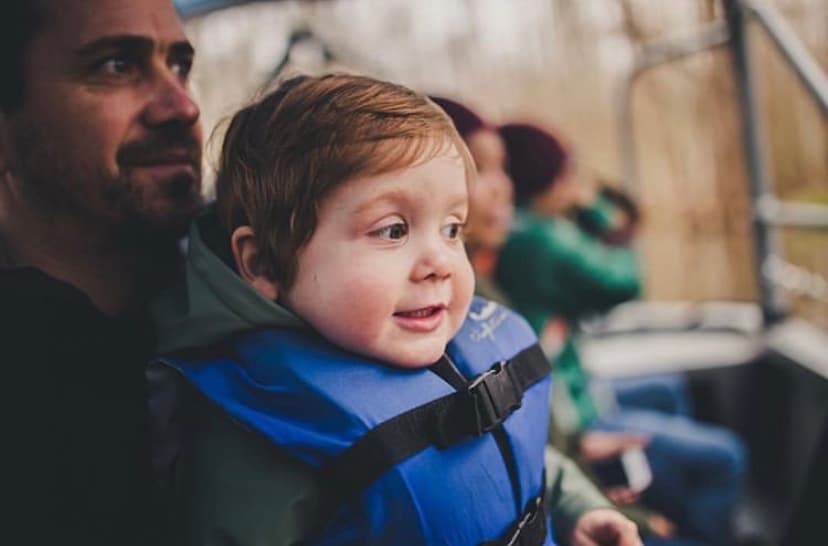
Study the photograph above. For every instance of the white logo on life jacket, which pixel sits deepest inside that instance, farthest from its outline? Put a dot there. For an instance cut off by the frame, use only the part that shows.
(487, 329)
(484, 313)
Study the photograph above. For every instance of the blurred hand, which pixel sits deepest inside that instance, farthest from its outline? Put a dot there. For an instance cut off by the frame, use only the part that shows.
(661, 526)
(585, 192)
(605, 527)
(599, 445)
(622, 495)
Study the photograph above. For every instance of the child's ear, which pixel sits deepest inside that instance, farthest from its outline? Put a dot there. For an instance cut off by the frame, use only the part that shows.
(245, 254)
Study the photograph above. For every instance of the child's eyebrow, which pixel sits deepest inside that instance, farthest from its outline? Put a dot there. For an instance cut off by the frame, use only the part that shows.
(392, 197)
(460, 198)
(400, 196)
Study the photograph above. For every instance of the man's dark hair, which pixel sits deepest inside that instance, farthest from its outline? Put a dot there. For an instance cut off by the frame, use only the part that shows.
(20, 20)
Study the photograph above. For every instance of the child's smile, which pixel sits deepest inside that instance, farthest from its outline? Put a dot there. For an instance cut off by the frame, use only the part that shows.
(424, 319)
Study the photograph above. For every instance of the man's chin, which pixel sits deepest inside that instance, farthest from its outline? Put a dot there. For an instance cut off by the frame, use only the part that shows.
(149, 205)
(168, 221)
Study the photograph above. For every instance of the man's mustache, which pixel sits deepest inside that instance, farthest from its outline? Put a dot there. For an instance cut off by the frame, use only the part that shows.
(172, 143)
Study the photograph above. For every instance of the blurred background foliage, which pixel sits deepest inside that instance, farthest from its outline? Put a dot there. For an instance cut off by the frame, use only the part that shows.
(560, 63)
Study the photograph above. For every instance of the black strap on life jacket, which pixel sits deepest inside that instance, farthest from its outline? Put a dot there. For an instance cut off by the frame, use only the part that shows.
(529, 529)
(480, 407)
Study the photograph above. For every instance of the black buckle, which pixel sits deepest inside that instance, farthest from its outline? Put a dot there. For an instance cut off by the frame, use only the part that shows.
(526, 522)
(496, 395)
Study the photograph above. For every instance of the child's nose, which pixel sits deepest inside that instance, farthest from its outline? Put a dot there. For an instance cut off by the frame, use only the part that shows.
(433, 262)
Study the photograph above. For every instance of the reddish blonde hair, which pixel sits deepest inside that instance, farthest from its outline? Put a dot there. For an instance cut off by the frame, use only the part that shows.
(283, 154)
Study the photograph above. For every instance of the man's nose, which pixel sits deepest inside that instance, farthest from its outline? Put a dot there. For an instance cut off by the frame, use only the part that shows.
(433, 262)
(170, 102)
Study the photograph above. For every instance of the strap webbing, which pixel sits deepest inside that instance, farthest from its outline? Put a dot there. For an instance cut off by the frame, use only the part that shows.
(484, 403)
(529, 530)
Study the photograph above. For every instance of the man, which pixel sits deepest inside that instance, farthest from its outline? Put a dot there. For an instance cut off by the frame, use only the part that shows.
(99, 176)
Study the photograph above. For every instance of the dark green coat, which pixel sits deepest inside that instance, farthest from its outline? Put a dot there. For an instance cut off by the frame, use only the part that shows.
(229, 486)
(551, 269)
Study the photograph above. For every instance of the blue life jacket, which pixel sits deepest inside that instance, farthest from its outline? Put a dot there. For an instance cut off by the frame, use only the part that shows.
(449, 454)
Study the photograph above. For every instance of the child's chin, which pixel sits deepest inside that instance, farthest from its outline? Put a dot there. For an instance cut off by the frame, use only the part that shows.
(413, 365)
(414, 361)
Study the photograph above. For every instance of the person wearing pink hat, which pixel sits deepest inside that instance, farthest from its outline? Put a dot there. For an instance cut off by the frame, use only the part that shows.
(575, 501)
(492, 198)
(556, 273)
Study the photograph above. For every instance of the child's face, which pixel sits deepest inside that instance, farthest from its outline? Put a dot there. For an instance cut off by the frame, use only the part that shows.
(385, 273)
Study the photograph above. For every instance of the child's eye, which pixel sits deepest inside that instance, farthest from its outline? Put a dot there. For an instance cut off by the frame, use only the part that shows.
(453, 230)
(393, 232)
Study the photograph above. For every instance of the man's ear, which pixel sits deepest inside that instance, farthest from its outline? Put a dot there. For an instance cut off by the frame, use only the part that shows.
(245, 254)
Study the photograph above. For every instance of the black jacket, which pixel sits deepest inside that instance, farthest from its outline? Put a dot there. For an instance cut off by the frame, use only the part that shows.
(75, 422)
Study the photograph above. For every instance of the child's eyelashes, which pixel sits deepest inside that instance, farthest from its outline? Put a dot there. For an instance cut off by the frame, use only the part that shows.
(392, 232)
(400, 230)
(453, 231)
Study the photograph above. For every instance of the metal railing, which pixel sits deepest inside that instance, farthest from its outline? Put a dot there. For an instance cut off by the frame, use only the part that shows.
(768, 212)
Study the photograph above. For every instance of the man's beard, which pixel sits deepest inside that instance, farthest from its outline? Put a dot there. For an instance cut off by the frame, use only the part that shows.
(58, 184)
(138, 222)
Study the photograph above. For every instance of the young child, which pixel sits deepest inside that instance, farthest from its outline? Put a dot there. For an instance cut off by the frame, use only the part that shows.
(371, 399)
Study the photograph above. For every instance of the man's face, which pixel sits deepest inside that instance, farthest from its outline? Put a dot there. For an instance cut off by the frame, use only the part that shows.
(107, 132)
(385, 273)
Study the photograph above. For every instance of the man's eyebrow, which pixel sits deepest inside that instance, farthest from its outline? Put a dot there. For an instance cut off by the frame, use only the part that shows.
(128, 42)
(182, 48)
(112, 43)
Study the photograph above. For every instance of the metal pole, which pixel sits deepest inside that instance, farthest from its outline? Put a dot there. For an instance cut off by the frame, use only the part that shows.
(766, 240)
(792, 214)
(653, 54)
(797, 56)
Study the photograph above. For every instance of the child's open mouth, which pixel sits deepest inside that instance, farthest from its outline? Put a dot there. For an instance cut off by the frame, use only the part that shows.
(422, 320)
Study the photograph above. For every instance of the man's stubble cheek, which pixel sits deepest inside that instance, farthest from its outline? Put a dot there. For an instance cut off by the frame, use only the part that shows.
(48, 174)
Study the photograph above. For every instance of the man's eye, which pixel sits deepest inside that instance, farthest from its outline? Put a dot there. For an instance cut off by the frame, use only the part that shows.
(117, 66)
(453, 230)
(394, 232)
(182, 67)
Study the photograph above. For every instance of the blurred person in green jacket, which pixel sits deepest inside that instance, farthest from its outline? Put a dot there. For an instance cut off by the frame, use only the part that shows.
(556, 272)
(490, 219)
(491, 213)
